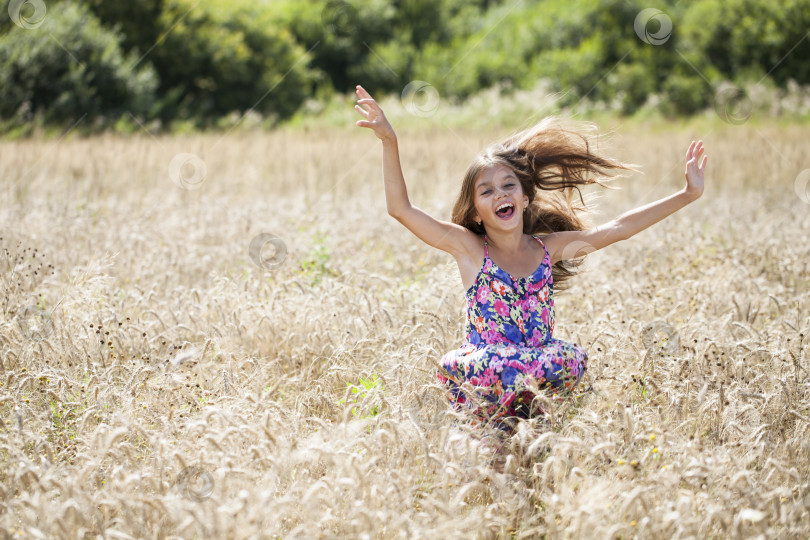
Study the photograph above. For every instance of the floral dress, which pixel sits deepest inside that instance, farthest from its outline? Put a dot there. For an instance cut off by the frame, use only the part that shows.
(509, 343)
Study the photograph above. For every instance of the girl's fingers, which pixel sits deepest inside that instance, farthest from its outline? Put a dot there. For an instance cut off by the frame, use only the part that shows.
(361, 110)
(371, 103)
(366, 124)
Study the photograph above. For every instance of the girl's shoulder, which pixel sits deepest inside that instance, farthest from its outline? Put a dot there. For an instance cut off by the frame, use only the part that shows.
(471, 259)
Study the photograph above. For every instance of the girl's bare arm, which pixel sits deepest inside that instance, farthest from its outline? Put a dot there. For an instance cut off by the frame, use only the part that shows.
(572, 244)
(443, 235)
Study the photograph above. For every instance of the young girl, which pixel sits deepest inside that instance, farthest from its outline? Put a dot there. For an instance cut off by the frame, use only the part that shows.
(512, 192)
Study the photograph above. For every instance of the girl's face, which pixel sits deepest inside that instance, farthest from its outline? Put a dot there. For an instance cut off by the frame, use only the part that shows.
(499, 199)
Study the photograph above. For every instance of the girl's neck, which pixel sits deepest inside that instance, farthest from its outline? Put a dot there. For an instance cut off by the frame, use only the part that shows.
(509, 243)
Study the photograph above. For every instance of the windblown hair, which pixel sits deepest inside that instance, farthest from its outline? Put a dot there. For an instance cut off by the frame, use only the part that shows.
(545, 158)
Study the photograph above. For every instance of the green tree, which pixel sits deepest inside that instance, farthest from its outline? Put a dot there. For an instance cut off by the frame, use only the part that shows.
(216, 57)
(66, 66)
(136, 20)
(745, 38)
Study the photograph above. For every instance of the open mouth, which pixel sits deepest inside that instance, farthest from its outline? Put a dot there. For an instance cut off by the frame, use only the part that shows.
(505, 211)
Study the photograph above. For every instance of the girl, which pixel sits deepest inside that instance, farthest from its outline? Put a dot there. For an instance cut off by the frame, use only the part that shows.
(513, 192)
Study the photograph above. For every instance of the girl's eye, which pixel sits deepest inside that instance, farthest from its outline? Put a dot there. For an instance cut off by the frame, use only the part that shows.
(487, 192)
(510, 185)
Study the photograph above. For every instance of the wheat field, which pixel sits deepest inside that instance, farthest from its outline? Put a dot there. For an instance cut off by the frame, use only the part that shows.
(244, 345)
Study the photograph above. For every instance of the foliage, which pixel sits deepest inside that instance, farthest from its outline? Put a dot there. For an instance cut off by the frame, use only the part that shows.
(316, 266)
(189, 62)
(221, 57)
(138, 21)
(367, 396)
(741, 36)
(68, 68)
(340, 34)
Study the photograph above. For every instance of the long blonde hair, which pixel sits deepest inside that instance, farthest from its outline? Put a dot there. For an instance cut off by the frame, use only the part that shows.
(544, 157)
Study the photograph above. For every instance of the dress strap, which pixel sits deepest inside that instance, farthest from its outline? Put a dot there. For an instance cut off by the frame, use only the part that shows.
(542, 244)
(486, 251)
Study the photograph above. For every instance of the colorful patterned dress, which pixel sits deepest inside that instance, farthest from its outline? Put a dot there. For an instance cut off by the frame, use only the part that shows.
(509, 342)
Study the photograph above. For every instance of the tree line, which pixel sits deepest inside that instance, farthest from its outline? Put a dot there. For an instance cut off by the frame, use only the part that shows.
(197, 61)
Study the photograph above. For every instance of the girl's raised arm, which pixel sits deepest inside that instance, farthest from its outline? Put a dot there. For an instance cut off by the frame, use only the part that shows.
(572, 244)
(443, 235)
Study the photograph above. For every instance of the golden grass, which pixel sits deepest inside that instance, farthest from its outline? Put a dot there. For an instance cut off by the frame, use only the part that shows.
(156, 383)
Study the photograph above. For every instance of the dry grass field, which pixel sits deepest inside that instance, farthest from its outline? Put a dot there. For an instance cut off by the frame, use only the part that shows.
(158, 381)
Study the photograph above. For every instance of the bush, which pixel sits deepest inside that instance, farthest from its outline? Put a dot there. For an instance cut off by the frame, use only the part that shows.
(136, 20)
(200, 62)
(738, 35)
(684, 94)
(342, 35)
(631, 83)
(218, 57)
(69, 67)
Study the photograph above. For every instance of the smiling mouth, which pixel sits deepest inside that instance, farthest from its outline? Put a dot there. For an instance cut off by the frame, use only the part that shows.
(505, 211)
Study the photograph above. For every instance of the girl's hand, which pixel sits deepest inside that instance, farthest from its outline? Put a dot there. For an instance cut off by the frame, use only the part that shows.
(375, 118)
(694, 172)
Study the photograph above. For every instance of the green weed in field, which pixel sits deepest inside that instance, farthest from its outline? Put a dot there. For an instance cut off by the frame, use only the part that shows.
(315, 266)
(367, 396)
